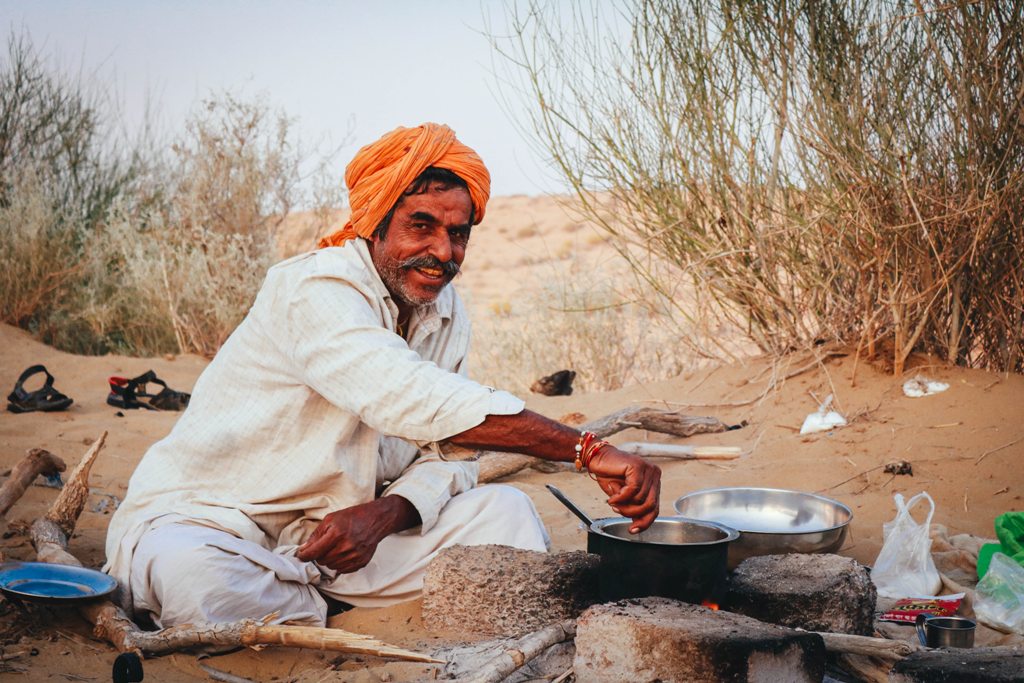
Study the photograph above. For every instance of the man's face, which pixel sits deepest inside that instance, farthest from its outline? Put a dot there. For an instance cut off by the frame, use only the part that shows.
(425, 244)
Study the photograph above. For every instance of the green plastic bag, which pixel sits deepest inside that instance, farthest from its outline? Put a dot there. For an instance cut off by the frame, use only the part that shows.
(1010, 532)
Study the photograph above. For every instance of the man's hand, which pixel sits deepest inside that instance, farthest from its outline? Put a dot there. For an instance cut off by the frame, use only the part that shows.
(632, 484)
(346, 539)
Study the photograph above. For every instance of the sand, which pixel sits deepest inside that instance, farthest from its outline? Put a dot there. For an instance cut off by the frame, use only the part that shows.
(965, 445)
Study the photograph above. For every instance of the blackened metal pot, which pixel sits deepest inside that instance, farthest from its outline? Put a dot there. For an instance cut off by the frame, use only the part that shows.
(679, 558)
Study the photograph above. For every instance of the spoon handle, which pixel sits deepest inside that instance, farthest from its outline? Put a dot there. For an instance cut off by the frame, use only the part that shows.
(571, 505)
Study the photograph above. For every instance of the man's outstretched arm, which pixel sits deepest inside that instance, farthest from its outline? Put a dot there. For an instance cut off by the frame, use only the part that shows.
(633, 485)
(346, 539)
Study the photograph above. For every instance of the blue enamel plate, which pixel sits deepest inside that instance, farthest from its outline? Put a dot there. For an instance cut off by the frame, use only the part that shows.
(43, 582)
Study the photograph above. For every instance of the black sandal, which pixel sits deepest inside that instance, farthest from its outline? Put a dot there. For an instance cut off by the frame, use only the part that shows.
(125, 393)
(46, 399)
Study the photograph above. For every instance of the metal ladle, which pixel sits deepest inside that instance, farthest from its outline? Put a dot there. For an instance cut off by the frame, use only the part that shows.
(571, 505)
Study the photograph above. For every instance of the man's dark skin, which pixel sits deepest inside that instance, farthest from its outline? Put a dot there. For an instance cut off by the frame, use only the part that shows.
(436, 223)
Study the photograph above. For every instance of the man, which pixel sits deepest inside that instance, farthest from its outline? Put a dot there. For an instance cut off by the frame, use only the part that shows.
(312, 458)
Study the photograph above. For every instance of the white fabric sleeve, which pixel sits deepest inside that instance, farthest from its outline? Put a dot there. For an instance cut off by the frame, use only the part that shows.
(429, 483)
(342, 351)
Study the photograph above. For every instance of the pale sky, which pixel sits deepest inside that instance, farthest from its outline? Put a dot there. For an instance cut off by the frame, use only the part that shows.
(376, 64)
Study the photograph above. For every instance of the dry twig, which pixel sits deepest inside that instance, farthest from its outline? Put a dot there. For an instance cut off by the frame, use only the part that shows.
(36, 462)
(521, 651)
(859, 474)
(997, 449)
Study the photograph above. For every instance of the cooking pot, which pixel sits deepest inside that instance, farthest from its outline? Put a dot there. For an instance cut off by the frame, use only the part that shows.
(679, 558)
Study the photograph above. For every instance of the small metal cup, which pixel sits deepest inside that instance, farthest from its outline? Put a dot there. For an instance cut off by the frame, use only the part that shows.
(945, 631)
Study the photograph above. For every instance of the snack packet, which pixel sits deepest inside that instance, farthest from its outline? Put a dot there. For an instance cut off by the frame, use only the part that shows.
(906, 609)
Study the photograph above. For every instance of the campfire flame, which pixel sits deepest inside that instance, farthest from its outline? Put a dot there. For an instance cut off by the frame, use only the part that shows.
(710, 605)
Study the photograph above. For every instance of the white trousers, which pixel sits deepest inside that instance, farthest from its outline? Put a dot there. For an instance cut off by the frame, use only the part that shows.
(186, 573)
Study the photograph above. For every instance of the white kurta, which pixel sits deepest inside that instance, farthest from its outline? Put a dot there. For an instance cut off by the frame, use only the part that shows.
(290, 420)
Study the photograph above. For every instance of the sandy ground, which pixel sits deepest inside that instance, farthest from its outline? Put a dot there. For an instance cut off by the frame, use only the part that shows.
(966, 446)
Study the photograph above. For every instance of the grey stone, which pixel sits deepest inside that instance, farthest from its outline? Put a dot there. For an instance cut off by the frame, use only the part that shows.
(657, 639)
(980, 665)
(500, 590)
(813, 592)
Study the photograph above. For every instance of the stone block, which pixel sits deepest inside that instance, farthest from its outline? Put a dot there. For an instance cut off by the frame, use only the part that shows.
(500, 590)
(813, 592)
(979, 665)
(657, 639)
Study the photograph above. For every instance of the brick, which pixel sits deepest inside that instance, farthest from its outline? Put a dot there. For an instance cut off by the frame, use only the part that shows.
(657, 639)
(813, 592)
(500, 590)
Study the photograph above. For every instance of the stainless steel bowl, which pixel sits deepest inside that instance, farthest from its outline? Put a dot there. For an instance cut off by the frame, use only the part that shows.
(771, 521)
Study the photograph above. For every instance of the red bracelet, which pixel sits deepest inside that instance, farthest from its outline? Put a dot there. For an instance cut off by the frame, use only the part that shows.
(586, 438)
(593, 449)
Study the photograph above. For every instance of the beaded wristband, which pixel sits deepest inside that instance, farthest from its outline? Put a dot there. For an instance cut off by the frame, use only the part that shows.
(586, 438)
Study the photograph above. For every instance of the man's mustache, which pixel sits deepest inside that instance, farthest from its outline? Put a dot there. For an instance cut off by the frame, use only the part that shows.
(450, 268)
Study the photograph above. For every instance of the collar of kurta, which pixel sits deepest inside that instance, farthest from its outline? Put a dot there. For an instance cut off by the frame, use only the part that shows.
(441, 309)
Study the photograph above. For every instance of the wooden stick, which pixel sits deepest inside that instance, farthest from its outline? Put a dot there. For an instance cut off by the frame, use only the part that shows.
(881, 648)
(654, 420)
(494, 465)
(51, 543)
(867, 669)
(50, 534)
(36, 462)
(50, 540)
(521, 651)
(66, 510)
(564, 676)
(250, 632)
(224, 676)
(667, 450)
(997, 449)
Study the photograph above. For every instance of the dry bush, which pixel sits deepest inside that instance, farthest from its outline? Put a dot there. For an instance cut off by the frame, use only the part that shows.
(62, 165)
(577, 322)
(138, 252)
(148, 287)
(178, 272)
(35, 252)
(62, 130)
(235, 170)
(816, 171)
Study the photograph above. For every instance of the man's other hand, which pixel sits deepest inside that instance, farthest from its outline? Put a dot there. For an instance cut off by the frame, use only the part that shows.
(633, 485)
(346, 540)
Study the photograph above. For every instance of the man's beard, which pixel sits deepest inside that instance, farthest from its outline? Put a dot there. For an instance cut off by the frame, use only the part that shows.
(393, 275)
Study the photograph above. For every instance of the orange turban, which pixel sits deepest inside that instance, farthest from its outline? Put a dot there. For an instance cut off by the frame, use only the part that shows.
(382, 170)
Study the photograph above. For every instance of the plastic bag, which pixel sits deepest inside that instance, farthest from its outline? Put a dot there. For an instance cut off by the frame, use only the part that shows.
(999, 597)
(824, 419)
(904, 567)
(922, 386)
